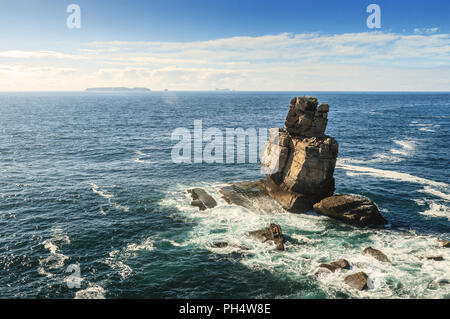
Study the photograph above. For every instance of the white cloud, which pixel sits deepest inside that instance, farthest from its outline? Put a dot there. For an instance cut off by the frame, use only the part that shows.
(426, 30)
(310, 61)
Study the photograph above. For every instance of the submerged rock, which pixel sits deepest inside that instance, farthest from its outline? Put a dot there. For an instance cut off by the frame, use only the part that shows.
(273, 234)
(351, 209)
(201, 199)
(435, 258)
(377, 254)
(444, 243)
(221, 244)
(357, 281)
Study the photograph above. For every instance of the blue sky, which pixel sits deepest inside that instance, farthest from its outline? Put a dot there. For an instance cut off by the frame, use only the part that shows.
(164, 43)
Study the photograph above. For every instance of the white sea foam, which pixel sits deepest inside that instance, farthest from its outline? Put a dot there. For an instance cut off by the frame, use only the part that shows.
(109, 196)
(388, 174)
(117, 258)
(92, 292)
(435, 192)
(104, 194)
(56, 259)
(425, 127)
(311, 241)
(407, 147)
(140, 160)
(437, 210)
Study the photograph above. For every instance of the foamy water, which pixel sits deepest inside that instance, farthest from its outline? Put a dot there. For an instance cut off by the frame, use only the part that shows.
(311, 241)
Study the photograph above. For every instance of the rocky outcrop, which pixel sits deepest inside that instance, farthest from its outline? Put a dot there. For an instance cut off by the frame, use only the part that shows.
(251, 195)
(351, 209)
(301, 159)
(444, 243)
(435, 258)
(357, 281)
(201, 199)
(377, 254)
(333, 266)
(271, 234)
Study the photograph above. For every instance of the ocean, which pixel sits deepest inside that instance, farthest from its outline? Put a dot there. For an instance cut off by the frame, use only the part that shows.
(88, 189)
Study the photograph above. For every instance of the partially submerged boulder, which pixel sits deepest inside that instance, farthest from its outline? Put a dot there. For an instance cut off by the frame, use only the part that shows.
(272, 234)
(435, 258)
(444, 243)
(351, 209)
(357, 281)
(201, 199)
(377, 254)
(333, 266)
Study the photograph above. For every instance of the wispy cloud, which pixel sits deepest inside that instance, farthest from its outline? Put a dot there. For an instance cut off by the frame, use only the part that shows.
(309, 61)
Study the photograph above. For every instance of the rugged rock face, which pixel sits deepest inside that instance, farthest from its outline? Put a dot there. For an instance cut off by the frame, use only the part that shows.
(251, 195)
(304, 157)
(273, 233)
(377, 254)
(201, 199)
(351, 209)
(357, 281)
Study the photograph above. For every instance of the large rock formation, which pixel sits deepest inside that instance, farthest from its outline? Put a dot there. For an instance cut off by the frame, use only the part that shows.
(299, 163)
(304, 158)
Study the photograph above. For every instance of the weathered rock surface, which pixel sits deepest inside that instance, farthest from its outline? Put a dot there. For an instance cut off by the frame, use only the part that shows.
(357, 281)
(201, 199)
(333, 266)
(305, 118)
(251, 195)
(300, 159)
(444, 243)
(272, 234)
(377, 254)
(351, 209)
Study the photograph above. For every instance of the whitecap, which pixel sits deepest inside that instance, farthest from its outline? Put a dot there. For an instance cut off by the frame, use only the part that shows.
(387, 174)
(437, 210)
(104, 194)
(435, 192)
(408, 146)
(92, 292)
(56, 259)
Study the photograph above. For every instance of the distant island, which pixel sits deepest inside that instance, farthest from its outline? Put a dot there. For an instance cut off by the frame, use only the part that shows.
(117, 89)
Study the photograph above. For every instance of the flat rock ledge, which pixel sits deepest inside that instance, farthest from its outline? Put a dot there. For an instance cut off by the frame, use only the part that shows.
(201, 199)
(351, 209)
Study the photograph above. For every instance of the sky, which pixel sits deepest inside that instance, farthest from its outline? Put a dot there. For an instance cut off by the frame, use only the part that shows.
(282, 45)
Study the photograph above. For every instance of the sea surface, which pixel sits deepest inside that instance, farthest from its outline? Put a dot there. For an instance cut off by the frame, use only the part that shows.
(87, 183)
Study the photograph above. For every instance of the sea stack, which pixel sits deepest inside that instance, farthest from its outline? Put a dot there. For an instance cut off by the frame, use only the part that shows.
(304, 155)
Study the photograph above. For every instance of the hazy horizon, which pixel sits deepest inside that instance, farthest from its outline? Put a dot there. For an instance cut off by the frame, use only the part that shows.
(198, 46)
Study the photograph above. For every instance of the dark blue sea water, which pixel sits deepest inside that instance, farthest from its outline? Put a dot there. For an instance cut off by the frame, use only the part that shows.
(88, 180)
